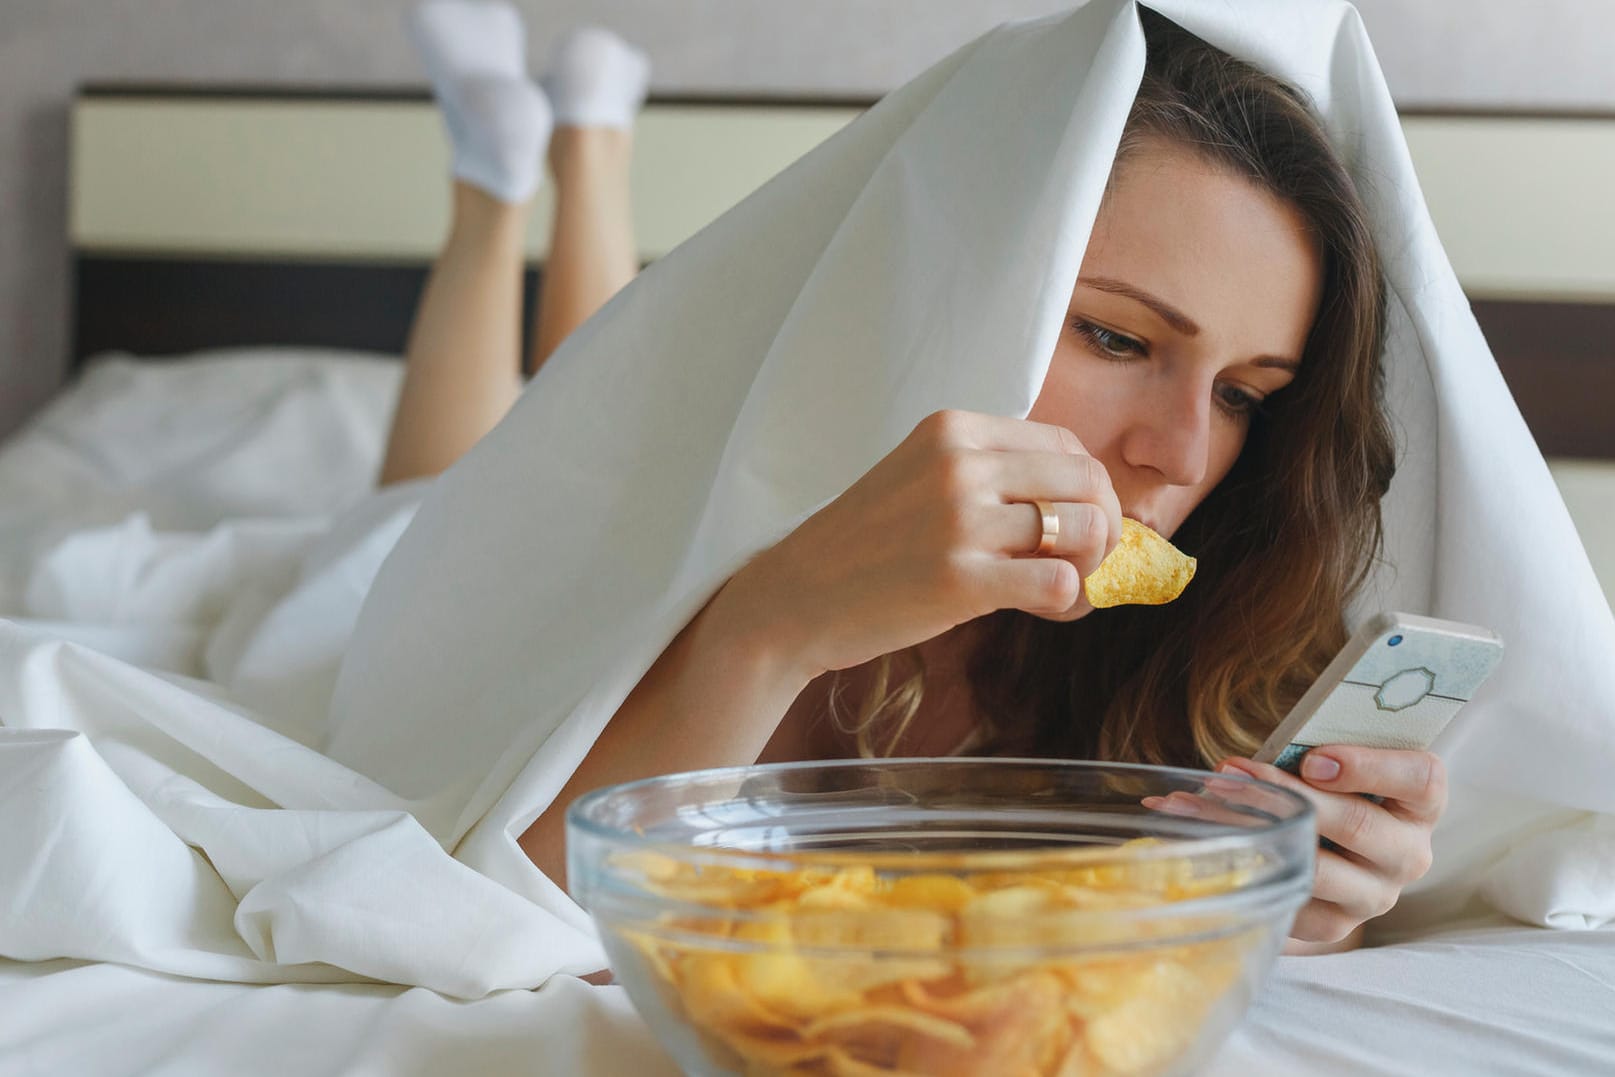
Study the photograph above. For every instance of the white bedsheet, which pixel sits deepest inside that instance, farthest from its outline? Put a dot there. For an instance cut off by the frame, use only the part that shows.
(213, 459)
(1494, 999)
(197, 481)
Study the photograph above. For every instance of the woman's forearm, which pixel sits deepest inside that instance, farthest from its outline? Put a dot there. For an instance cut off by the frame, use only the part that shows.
(713, 699)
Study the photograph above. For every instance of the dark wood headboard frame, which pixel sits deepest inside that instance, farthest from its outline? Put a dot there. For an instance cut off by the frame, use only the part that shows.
(1558, 357)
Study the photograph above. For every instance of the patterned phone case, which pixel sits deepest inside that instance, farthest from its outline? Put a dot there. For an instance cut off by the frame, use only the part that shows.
(1396, 684)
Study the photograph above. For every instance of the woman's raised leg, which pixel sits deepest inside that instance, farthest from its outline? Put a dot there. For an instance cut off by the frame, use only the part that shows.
(461, 373)
(592, 248)
(596, 84)
(462, 358)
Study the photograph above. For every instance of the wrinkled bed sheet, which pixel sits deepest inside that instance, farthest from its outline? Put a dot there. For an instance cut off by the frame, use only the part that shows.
(261, 452)
(1491, 999)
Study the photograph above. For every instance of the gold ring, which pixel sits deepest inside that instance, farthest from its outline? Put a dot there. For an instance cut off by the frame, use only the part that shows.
(1051, 528)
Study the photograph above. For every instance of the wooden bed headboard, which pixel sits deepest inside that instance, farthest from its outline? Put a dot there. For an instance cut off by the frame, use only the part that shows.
(242, 216)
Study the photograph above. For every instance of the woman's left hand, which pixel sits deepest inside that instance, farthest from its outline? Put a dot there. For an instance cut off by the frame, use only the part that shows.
(1380, 848)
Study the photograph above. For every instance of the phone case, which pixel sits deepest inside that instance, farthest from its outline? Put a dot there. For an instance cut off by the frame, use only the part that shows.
(1396, 684)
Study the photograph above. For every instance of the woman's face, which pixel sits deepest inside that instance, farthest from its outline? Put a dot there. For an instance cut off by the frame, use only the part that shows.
(1192, 307)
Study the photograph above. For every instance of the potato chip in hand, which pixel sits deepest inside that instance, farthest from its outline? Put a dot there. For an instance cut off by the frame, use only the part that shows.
(1144, 569)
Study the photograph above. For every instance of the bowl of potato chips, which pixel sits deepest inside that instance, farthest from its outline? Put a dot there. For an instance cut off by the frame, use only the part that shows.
(941, 916)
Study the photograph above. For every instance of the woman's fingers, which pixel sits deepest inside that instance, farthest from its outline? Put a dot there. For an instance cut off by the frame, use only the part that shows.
(1084, 533)
(1350, 821)
(1076, 484)
(1413, 785)
(1393, 847)
(999, 491)
(1206, 807)
(1053, 476)
(1035, 584)
(1355, 888)
(975, 430)
(1323, 921)
(1016, 460)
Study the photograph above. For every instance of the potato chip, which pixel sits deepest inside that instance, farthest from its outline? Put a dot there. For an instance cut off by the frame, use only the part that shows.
(982, 1005)
(872, 929)
(943, 893)
(1155, 1021)
(1144, 569)
(1097, 986)
(846, 1025)
(843, 1064)
(1020, 1026)
(716, 891)
(1099, 899)
(1078, 1061)
(861, 935)
(857, 879)
(712, 994)
(771, 1053)
(788, 983)
(765, 1053)
(807, 986)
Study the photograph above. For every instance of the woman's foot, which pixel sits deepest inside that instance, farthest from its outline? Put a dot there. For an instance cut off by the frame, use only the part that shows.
(498, 120)
(596, 79)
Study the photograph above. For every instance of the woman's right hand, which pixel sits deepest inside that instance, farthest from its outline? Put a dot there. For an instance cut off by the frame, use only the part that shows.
(938, 533)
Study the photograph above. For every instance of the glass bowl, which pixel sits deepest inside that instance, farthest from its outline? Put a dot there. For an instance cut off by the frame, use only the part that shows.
(941, 916)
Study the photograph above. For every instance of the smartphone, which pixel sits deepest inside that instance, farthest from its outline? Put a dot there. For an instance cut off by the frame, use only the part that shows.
(1396, 684)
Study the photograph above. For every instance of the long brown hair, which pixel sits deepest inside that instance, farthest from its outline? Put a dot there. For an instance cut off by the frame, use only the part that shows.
(1286, 538)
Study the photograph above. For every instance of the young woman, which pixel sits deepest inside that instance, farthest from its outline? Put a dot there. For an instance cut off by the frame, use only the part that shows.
(1217, 377)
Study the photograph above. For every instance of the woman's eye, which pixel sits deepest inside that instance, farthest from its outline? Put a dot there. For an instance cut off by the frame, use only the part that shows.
(1237, 402)
(1108, 342)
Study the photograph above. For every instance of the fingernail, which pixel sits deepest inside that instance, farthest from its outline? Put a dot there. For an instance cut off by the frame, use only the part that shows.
(1230, 768)
(1176, 804)
(1319, 768)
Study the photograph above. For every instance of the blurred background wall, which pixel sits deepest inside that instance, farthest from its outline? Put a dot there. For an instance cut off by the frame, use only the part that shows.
(1550, 54)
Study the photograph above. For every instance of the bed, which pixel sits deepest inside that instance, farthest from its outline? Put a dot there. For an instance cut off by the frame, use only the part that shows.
(245, 264)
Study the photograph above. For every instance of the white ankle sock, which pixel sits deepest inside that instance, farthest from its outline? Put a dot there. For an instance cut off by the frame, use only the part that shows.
(596, 79)
(498, 121)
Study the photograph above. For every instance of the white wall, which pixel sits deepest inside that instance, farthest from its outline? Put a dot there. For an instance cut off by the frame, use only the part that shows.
(1551, 53)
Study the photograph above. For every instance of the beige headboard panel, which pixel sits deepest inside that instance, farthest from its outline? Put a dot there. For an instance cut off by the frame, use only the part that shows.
(365, 179)
(1521, 202)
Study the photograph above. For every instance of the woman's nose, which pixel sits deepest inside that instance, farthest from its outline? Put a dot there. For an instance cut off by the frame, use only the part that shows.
(1171, 433)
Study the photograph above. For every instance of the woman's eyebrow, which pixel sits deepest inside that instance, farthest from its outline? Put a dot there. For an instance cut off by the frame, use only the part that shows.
(1174, 317)
(1168, 313)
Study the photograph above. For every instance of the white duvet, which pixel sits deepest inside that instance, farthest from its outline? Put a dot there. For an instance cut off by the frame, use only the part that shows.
(188, 546)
